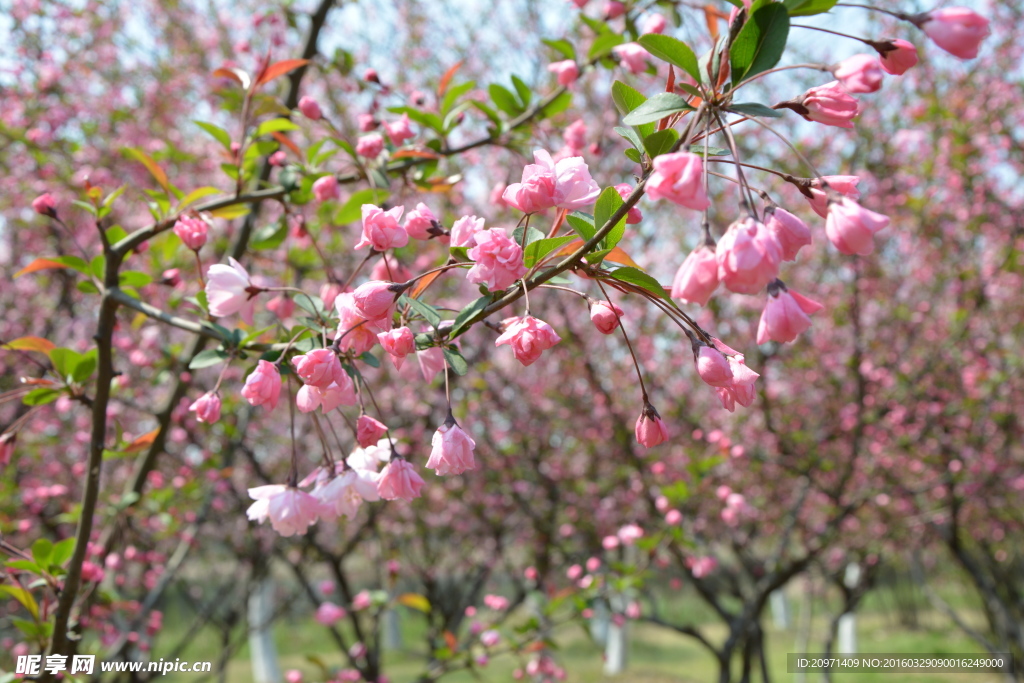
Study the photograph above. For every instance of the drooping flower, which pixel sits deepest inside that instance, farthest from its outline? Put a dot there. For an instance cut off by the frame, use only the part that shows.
(528, 337)
(206, 407)
(355, 333)
(785, 315)
(499, 260)
(843, 184)
(830, 104)
(464, 230)
(192, 231)
(399, 479)
(263, 385)
(319, 368)
(545, 184)
(790, 232)
(310, 108)
(290, 510)
(399, 131)
(748, 256)
(957, 30)
(381, 229)
(398, 343)
(851, 227)
(451, 449)
(605, 316)
(678, 177)
(860, 73)
(338, 394)
(229, 290)
(897, 56)
(697, 278)
(713, 367)
(369, 430)
(650, 428)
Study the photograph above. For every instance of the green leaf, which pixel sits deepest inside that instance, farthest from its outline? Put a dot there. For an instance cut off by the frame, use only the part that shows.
(760, 43)
(536, 251)
(660, 142)
(522, 90)
(278, 125)
(270, 236)
(75, 262)
(626, 100)
(85, 367)
(468, 312)
(640, 279)
(455, 360)
(504, 99)
(98, 265)
(370, 359)
(712, 151)
(42, 549)
(562, 46)
(424, 118)
(755, 109)
(805, 8)
(62, 552)
(633, 155)
(24, 597)
(673, 51)
(352, 210)
(582, 223)
(24, 565)
(454, 93)
(197, 194)
(631, 136)
(87, 287)
(491, 115)
(429, 313)
(658, 107)
(532, 235)
(207, 358)
(603, 45)
(134, 278)
(557, 105)
(65, 361)
(218, 133)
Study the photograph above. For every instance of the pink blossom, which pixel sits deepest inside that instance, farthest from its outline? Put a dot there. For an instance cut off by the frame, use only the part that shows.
(431, 362)
(398, 343)
(399, 479)
(399, 131)
(192, 231)
(381, 229)
(957, 30)
(575, 135)
(785, 315)
(289, 510)
(370, 146)
(634, 216)
(630, 534)
(278, 158)
(545, 184)
(748, 256)
(329, 293)
(464, 231)
(310, 108)
(613, 9)
(490, 638)
(790, 232)
(207, 407)
(605, 316)
(45, 205)
(499, 260)
(843, 184)
(741, 390)
(451, 449)
(229, 290)
(650, 429)
(319, 368)
(369, 430)
(528, 337)
(860, 73)
(632, 57)
(341, 494)
(419, 221)
(851, 227)
(354, 331)
(326, 188)
(263, 386)
(391, 270)
(901, 58)
(338, 394)
(566, 71)
(830, 104)
(293, 676)
(697, 278)
(307, 398)
(654, 23)
(366, 122)
(282, 306)
(375, 301)
(329, 614)
(713, 367)
(497, 603)
(677, 177)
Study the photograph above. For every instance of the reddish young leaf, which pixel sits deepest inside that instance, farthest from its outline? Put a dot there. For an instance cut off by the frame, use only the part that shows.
(280, 69)
(154, 169)
(235, 74)
(414, 154)
(451, 641)
(284, 140)
(425, 282)
(447, 78)
(37, 265)
(30, 344)
(143, 442)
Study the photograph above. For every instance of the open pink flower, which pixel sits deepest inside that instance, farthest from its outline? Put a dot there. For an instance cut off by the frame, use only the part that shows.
(860, 73)
(399, 131)
(206, 407)
(192, 231)
(830, 104)
(289, 510)
(566, 71)
(785, 315)
(528, 337)
(263, 385)
(650, 428)
(381, 229)
(375, 301)
(748, 256)
(957, 30)
(451, 449)
(369, 430)
(399, 479)
(632, 57)
(229, 290)
(790, 232)
(310, 108)
(341, 393)
(326, 188)
(355, 333)
(566, 184)
(431, 362)
(464, 230)
(398, 343)
(370, 146)
(319, 368)
(843, 184)
(900, 58)
(605, 316)
(575, 136)
(329, 614)
(697, 278)
(419, 221)
(851, 227)
(308, 398)
(678, 177)
(499, 260)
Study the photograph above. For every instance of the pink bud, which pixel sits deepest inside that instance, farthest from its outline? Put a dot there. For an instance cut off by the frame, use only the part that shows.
(369, 431)
(366, 122)
(329, 614)
(650, 429)
(605, 316)
(45, 205)
(370, 146)
(326, 188)
(748, 256)
(851, 227)
(713, 367)
(399, 343)
(632, 57)
(900, 58)
(207, 408)
(399, 131)
(278, 158)
(790, 232)
(860, 73)
(381, 229)
(566, 71)
(310, 108)
(192, 231)
(419, 221)
(282, 306)
(655, 23)
(957, 30)
(499, 260)
(370, 75)
(320, 368)
(785, 315)
(613, 9)
(634, 216)
(399, 479)
(697, 278)
(451, 449)
(843, 184)
(528, 337)
(375, 301)
(678, 177)
(830, 104)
